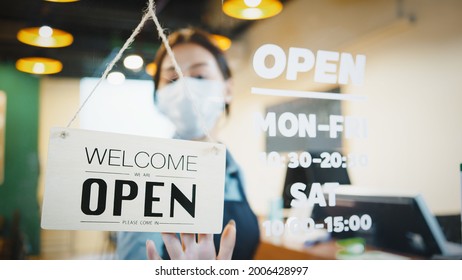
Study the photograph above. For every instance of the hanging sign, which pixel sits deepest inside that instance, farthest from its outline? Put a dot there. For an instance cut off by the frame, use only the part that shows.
(115, 182)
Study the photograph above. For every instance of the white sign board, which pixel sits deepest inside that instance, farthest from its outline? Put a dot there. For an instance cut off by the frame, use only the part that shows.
(115, 182)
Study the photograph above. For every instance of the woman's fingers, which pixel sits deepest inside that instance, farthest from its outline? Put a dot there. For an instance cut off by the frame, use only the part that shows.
(206, 247)
(205, 238)
(151, 251)
(188, 241)
(188, 248)
(227, 242)
(173, 246)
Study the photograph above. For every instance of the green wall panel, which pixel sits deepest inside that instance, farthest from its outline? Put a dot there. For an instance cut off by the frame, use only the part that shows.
(18, 193)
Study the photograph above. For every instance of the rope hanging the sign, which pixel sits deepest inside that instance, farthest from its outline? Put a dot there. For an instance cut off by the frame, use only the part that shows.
(148, 13)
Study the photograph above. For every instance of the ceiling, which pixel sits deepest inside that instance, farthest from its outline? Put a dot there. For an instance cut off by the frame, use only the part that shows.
(100, 28)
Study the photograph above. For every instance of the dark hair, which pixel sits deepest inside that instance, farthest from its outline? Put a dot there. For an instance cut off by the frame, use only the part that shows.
(198, 37)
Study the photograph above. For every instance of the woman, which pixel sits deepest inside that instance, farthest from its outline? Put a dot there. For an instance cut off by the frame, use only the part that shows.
(195, 105)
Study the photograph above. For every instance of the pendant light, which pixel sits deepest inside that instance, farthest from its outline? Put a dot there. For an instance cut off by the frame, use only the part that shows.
(252, 9)
(151, 69)
(45, 37)
(62, 1)
(223, 42)
(133, 62)
(39, 65)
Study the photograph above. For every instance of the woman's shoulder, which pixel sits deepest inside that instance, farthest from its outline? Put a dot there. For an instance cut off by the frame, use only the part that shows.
(231, 164)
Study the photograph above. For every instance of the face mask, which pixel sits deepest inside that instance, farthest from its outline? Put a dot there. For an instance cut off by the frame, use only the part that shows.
(208, 96)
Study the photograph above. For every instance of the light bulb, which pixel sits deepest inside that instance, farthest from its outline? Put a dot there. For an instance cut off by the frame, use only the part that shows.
(116, 78)
(39, 68)
(133, 62)
(252, 3)
(45, 31)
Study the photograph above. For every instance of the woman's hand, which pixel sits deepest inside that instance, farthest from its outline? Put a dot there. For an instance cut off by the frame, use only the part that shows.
(189, 249)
